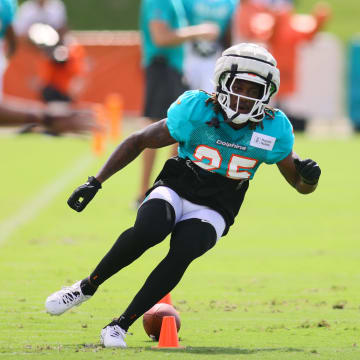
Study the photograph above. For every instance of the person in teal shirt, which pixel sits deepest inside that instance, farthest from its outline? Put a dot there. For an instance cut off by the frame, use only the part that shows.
(7, 36)
(223, 139)
(164, 29)
(7, 13)
(201, 55)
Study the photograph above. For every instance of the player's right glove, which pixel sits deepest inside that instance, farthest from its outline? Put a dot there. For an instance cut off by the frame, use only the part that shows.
(84, 194)
(309, 170)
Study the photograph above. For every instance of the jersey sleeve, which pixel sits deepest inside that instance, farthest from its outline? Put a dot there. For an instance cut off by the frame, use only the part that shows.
(284, 142)
(180, 116)
(158, 10)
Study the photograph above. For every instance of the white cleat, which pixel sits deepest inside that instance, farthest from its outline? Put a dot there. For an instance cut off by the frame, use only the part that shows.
(64, 299)
(113, 335)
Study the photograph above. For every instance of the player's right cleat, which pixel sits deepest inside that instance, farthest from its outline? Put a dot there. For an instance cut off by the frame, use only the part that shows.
(64, 299)
(113, 335)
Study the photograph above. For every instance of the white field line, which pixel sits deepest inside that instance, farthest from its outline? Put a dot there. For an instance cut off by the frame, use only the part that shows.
(31, 209)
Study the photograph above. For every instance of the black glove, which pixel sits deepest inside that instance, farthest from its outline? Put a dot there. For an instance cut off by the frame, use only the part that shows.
(309, 170)
(85, 193)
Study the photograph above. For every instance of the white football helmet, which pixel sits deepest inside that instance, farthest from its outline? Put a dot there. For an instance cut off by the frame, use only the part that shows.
(248, 62)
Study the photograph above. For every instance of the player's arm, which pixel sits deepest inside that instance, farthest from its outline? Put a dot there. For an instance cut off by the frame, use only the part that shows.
(303, 175)
(78, 121)
(153, 136)
(11, 116)
(162, 35)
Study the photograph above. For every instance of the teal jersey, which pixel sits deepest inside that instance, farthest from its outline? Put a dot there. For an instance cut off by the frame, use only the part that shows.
(219, 12)
(236, 154)
(173, 14)
(7, 13)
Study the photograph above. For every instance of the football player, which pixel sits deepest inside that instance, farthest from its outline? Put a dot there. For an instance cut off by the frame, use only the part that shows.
(222, 141)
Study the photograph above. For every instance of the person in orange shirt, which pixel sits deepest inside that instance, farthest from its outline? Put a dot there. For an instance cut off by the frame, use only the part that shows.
(61, 70)
(288, 32)
(254, 20)
(275, 24)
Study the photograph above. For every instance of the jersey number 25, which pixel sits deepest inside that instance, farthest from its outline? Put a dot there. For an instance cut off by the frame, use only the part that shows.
(236, 166)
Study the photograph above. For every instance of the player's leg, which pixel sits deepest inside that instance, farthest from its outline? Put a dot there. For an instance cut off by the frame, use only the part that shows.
(155, 220)
(190, 239)
(154, 110)
(163, 85)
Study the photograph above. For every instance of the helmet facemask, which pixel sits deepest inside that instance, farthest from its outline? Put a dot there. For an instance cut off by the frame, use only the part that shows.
(234, 104)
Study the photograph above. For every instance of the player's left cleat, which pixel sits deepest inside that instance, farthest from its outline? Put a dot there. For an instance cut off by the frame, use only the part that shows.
(64, 299)
(113, 335)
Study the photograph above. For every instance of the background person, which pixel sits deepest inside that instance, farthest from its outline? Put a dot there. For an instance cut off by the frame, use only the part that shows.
(291, 30)
(253, 20)
(164, 29)
(8, 40)
(276, 24)
(222, 140)
(201, 55)
(75, 121)
(62, 67)
(50, 12)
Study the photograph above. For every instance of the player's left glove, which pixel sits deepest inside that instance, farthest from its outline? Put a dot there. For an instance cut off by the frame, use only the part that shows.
(84, 194)
(309, 171)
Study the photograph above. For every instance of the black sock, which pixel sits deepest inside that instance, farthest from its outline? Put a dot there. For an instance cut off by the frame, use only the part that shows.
(87, 288)
(123, 323)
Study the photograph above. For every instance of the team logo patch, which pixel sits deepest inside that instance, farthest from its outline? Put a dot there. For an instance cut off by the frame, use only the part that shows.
(262, 141)
(231, 145)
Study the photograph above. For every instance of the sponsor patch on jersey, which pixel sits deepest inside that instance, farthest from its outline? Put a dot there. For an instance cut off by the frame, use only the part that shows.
(262, 141)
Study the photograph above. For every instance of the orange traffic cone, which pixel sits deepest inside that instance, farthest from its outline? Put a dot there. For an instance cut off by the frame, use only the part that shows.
(166, 300)
(168, 334)
(99, 136)
(114, 107)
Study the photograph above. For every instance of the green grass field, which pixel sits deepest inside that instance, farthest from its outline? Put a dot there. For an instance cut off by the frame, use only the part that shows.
(284, 284)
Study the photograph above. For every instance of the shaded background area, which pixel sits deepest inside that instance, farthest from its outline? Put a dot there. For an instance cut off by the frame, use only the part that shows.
(115, 61)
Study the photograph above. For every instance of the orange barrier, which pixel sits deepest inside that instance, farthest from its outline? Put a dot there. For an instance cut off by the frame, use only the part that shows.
(114, 60)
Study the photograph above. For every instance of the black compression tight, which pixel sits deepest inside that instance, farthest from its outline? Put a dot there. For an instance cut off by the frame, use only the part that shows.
(189, 240)
(155, 220)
